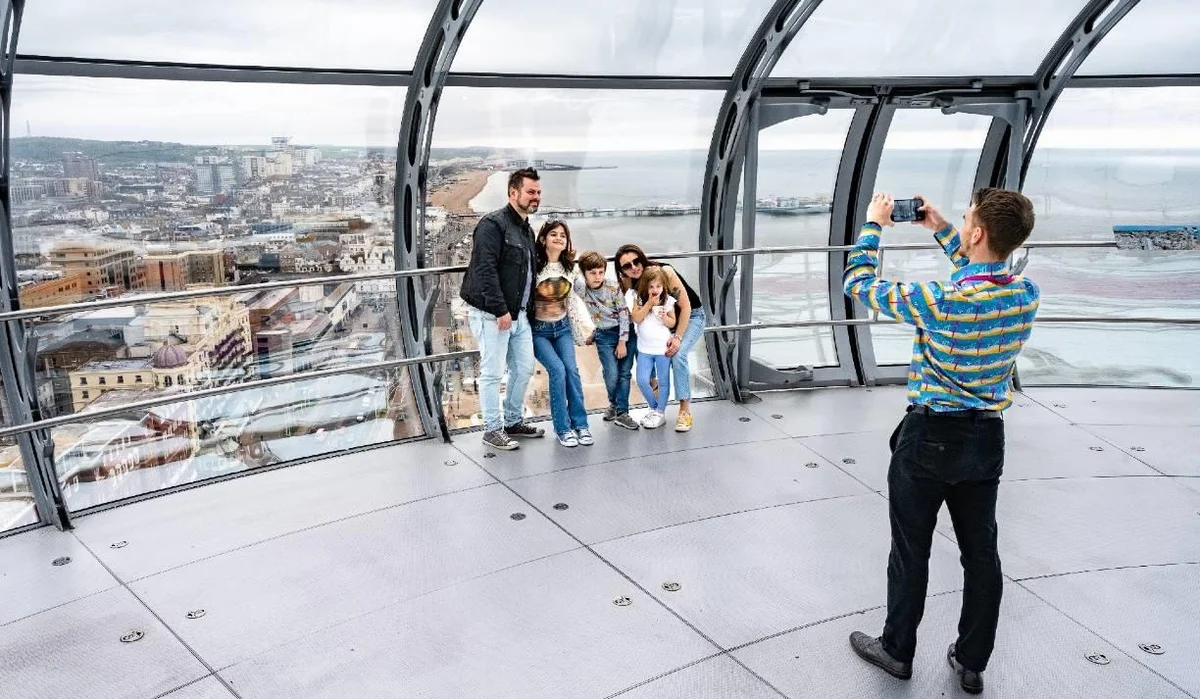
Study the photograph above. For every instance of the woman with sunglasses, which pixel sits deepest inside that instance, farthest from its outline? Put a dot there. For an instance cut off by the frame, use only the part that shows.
(689, 328)
(553, 339)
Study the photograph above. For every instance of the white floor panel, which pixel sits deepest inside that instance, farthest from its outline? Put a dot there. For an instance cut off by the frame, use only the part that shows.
(1053, 451)
(607, 501)
(31, 583)
(1174, 451)
(265, 595)
(208, 688)
(76, 651)
(716, 423)
(225, 516)
(833, 410)
(719, 678)
(546, 629)
(1153, 606)
(1039, 654)
(1122, 406)
(750, 575)
(1061, 526)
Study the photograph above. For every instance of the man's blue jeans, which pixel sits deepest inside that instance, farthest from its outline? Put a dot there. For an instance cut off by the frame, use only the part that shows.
(617, 372)
(555, 349)
(512, 348)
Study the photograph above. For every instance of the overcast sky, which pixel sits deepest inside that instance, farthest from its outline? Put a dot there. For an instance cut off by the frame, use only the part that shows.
(698, 37)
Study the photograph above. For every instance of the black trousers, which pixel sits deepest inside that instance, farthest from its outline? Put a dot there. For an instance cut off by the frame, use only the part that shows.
(957, 460)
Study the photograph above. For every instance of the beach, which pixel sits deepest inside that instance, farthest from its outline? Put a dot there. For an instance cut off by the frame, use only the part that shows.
(456, 195)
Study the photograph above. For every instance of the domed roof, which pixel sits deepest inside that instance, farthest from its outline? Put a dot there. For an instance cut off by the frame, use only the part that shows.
(169, 357)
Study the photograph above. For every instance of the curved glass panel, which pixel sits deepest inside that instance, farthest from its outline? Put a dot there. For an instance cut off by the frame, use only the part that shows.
(16, 500)
(123, 456)
(621, 37)
(866, 38)
(132, 187)
(797, 165)
(1109, 160)
(621, 166)
(1157, 36)
(364, 34)
(934, 155)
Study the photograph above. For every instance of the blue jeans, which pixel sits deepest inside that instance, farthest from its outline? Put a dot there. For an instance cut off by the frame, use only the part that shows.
(512, 348)
(555, 349)
(616, 371)
(661, 365)
(679, 363)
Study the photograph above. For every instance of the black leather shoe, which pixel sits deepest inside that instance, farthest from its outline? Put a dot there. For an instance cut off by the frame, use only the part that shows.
(871, 650)
(969, 680)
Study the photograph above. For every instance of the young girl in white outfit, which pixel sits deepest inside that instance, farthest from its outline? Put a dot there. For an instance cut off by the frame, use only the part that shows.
(653, 311)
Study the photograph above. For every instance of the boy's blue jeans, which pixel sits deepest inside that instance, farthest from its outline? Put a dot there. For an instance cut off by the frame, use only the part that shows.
(617, 372)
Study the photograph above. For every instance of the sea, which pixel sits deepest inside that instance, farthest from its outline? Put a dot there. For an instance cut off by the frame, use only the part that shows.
(1078, 195)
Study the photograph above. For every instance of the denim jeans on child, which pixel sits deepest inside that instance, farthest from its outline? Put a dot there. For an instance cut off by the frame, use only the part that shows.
(616, 371)
(555, 349)
(661, 364)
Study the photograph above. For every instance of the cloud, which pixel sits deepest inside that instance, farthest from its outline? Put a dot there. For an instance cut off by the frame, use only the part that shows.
(377, 34)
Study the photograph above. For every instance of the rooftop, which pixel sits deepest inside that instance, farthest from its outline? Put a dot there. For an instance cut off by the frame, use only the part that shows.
(115, 365)
(404, 571)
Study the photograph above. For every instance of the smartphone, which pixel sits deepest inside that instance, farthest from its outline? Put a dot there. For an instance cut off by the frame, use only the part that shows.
(906, 210)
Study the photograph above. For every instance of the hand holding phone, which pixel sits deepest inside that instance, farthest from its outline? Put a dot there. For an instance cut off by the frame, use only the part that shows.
(904, 210)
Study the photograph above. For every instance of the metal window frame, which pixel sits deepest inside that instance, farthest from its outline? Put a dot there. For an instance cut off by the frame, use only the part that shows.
(417, 297)
(726, 154)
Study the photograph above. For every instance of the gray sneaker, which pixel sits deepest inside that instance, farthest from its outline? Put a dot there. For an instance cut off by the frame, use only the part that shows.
(524, 431)
(498, 440)
(584, 436)
(626, 420)
(610, 414)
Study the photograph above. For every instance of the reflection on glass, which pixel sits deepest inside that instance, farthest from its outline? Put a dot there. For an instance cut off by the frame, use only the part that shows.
(926, 38)
(1082, 192)
(620, 37)
(1173, 24)
(302, 33)
(620, 166)
(118, 457)
(16, 500)
(797, 165)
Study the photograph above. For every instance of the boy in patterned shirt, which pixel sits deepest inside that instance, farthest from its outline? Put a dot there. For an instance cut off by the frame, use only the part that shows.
(615, 341)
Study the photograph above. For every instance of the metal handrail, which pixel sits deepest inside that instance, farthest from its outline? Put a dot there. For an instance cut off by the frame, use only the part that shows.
(119, 301)
(872, 321)
(90, 415)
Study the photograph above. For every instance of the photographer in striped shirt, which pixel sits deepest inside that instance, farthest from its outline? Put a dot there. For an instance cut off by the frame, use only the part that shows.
(950, 445)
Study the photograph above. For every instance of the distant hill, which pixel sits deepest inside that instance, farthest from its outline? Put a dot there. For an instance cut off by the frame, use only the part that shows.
(45, 149)
(49, 149)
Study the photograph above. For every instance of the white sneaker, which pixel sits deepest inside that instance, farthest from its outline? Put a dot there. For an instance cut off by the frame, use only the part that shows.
(568, 439)
(648, 420)
(585, 437)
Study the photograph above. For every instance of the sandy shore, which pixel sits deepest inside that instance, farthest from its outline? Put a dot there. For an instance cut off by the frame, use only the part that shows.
(456, 196)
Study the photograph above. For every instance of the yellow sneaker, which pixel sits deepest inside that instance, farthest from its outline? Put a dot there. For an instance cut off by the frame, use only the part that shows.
(684, 422)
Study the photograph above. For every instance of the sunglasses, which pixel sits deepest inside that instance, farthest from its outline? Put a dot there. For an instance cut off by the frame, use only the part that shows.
(628, 266)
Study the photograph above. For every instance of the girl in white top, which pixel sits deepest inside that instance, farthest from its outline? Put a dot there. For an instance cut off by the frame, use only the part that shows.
(653, 311)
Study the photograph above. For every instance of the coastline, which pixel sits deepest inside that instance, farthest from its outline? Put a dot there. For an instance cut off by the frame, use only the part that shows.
(456, 197)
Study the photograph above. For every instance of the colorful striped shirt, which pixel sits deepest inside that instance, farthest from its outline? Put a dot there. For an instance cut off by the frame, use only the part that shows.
(969, 330)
